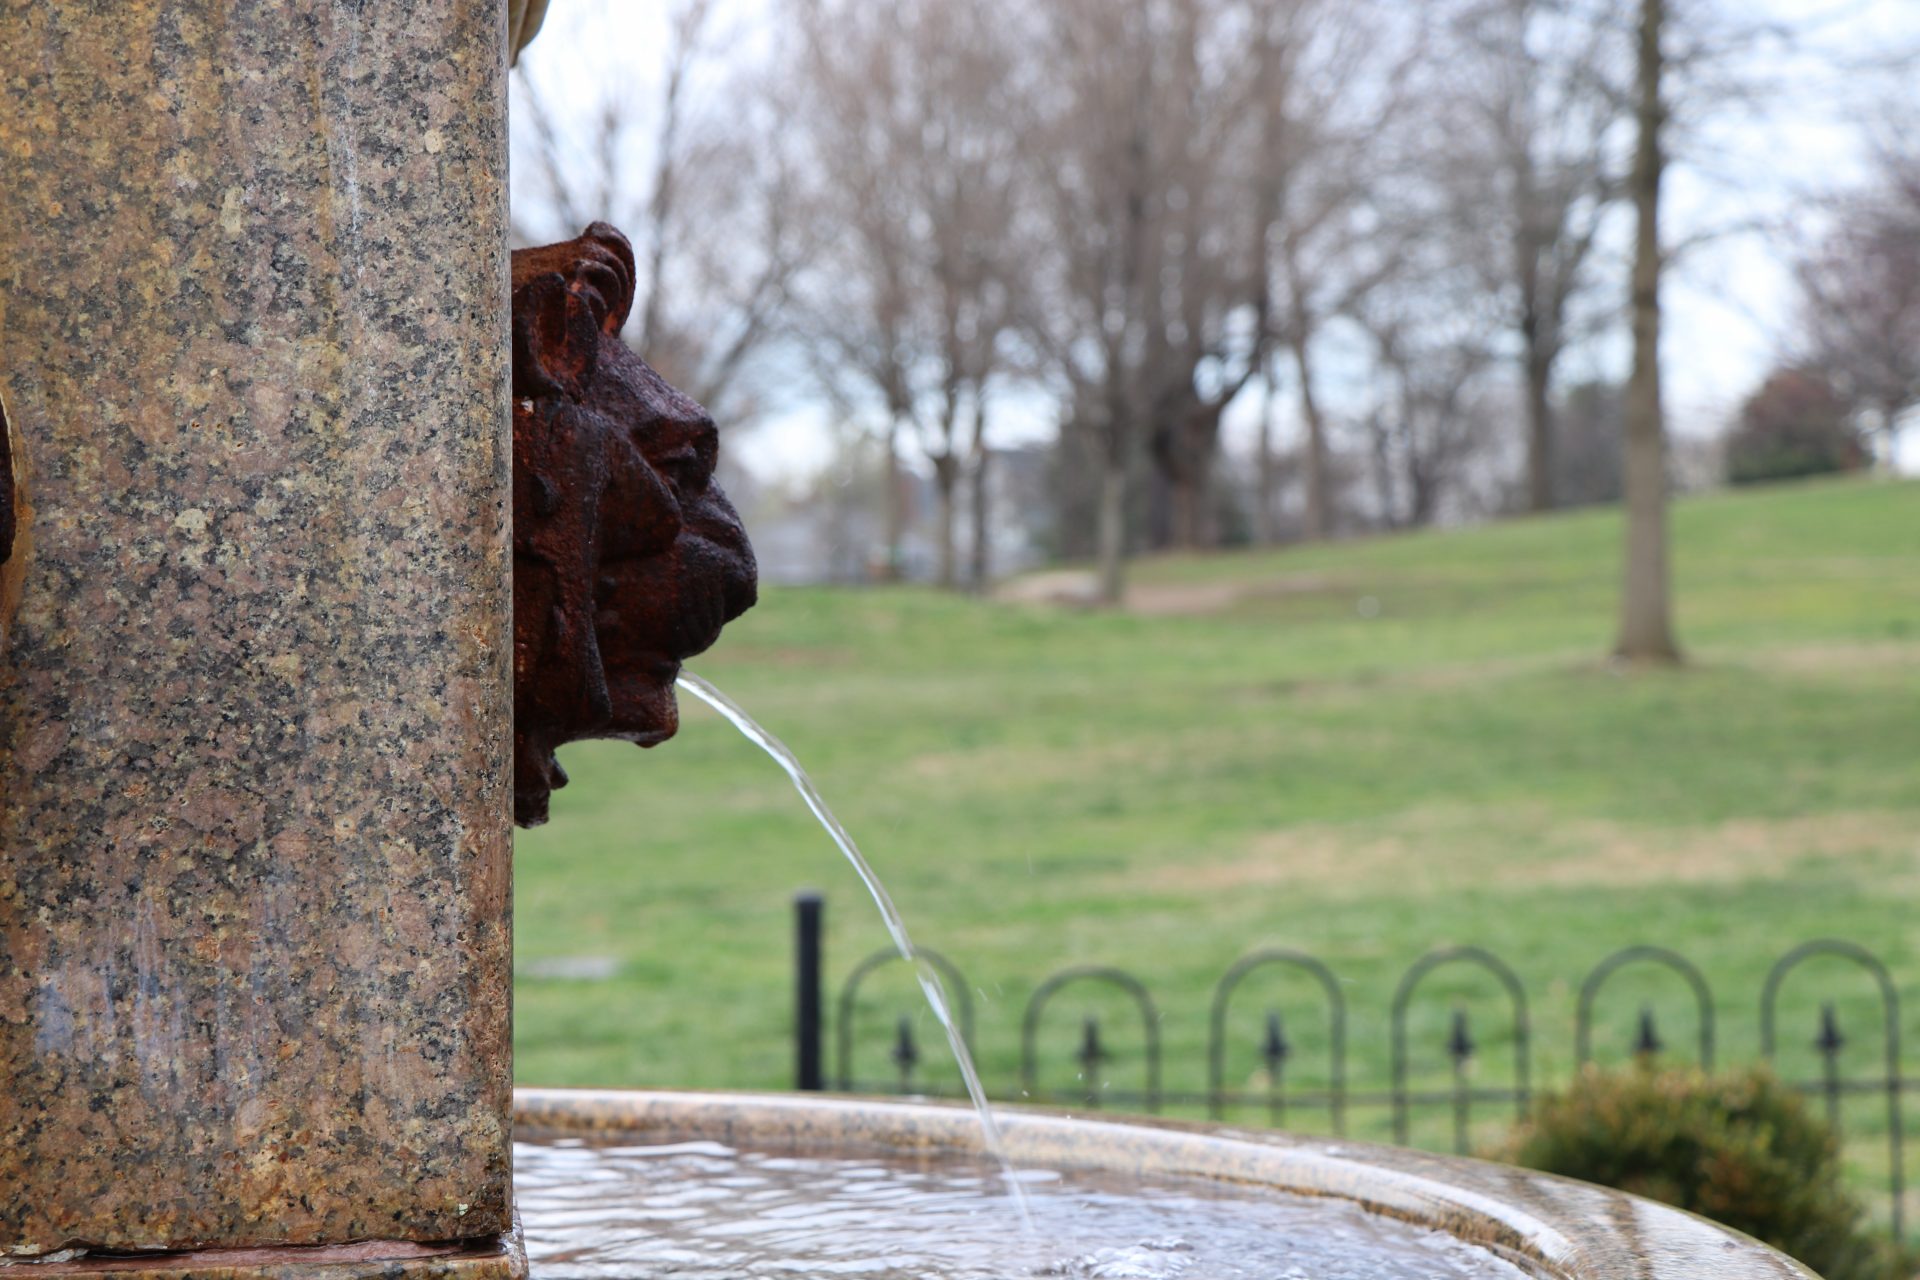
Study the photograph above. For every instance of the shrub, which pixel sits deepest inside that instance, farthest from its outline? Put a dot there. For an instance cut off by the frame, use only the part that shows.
(1742, 1149)
(1794, 425)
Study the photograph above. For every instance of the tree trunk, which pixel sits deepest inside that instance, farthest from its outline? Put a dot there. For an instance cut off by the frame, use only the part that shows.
(1182, 527)
(1319, 501)
(1423, 497)
(1113, 527)
(981, 571)
(1646, 628)
(1157, 528)
(896, 506)
(1382, 461)
(946, 472)
(1199, 533)
(1539, 370)
(1264, 531)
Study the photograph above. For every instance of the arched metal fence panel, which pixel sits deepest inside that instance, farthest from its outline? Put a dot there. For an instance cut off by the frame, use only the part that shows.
(1828, 1042)
(1275, 1049)
(1647, 1042)
(1105, 1054)
(1092, 1054)
(905, 1053)
(1460, 1047)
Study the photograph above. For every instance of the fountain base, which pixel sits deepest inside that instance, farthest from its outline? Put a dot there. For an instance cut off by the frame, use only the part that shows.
(498, 1258)
(1535, 1223)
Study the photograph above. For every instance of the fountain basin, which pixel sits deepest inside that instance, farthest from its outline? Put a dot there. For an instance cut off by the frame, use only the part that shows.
(1518, 1221)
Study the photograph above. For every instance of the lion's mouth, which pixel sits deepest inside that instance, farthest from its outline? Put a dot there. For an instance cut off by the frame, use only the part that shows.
(658, 614)
(645, 711)
(657, 611)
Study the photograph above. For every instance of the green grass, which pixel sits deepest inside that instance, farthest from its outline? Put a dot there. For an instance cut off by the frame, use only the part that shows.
(1248, 761)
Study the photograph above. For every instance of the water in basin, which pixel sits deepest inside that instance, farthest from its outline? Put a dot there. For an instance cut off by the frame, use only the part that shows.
(703, 1211)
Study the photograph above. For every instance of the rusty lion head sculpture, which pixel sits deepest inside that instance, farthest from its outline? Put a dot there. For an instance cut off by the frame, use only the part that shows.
(627, 557)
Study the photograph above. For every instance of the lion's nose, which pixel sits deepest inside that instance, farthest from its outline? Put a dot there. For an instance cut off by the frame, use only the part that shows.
(639, 515)
(720, 526)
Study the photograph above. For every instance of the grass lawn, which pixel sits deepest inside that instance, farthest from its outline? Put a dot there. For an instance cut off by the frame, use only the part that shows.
(1364, 750)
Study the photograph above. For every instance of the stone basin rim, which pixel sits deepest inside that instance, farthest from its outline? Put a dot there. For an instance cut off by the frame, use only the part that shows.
(1551, 1227)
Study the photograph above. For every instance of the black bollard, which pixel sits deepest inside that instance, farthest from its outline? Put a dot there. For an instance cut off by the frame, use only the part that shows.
(809, 1071)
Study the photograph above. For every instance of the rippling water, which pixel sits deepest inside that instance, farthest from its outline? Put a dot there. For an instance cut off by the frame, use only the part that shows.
(702, 1211)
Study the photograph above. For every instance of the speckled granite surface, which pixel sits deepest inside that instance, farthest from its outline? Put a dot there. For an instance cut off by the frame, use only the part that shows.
(254, 774)
(1550, 1227)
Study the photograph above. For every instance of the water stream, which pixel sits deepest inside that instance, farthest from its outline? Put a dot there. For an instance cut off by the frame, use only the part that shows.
(890, 914)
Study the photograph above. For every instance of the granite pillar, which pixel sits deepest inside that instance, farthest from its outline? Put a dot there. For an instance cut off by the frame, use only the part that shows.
(254, 691)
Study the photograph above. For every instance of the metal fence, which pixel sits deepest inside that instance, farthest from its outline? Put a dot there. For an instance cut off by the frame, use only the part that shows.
(1434, 1063)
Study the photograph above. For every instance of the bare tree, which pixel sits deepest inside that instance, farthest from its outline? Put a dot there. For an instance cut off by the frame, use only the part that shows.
(967, 175)
(1200, 163)
(1328, 244)
(914, 184)
(698, 180)
(1213, 334)
(1266, 461)
(1646, 625)
(669, 159)
(862, 306)
(1694, 60)
(1528, 151)
(1860, 294)
(1102, 144)
(1432, 349)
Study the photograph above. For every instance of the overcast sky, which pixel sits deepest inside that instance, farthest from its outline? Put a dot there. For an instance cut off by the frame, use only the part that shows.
(1746, 189)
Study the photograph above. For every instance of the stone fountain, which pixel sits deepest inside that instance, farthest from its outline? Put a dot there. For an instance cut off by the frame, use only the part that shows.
(322, 524)
(255, 710)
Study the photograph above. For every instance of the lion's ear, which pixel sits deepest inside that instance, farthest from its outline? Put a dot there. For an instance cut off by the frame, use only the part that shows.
(556, 339)
(618, 274)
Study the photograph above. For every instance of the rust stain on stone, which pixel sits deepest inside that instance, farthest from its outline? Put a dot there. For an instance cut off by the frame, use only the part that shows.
(479, 1259)
(16, 516)
(6, 488)
(627, 557)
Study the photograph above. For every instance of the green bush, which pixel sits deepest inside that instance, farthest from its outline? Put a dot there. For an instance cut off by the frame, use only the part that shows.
(1794, 425)
(1742, 1149)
